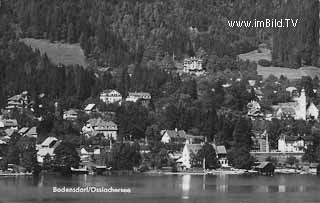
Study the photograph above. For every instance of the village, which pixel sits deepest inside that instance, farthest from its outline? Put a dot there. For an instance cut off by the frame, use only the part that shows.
(185, 152)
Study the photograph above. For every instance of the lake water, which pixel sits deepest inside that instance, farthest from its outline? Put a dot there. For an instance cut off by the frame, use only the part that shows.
(165, 188)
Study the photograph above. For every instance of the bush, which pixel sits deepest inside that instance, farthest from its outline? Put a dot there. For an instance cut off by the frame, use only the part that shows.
(264, 62)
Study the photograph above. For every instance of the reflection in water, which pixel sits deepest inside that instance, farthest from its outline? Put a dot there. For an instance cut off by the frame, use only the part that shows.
(40, 183)
(204, 182)
(222, 183)
(186, 182)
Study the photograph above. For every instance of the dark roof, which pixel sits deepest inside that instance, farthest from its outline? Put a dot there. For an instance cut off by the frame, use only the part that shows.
(294, 138)
(176, 134)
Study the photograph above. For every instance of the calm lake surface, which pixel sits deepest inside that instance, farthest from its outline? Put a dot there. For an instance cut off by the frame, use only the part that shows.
(165, 188)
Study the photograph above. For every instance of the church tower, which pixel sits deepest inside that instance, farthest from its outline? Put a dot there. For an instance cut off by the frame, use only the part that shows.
(302, 106)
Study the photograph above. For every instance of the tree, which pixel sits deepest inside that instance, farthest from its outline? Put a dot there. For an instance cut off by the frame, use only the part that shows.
(47, 162)
(29, 159)
(124, 156)
(66, 156)
(208, 154)
(240, 158)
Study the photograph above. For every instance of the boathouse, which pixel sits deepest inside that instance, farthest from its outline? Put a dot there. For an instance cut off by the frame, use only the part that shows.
(265, 168)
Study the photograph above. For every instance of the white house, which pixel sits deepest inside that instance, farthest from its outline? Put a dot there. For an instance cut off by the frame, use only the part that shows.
(135, 96)
(110, 96)
(221, 155)
(95, 126)
(193, 66)
(47, 147)
(294, 143)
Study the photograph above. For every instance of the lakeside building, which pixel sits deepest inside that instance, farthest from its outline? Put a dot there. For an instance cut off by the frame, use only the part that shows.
(110, 96)
(193, 66)
(221, 155)
(294, 143)
(96, 126)
(47, 147)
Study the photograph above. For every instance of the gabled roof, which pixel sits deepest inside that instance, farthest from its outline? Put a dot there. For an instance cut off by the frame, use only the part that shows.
(89, 107)
(221, 150)
(108, 91)
(295, 138)
(175, 134)
(71, 111)
(48, 141)
(98, 122)
(23, 130)
(15, 98)
(262, 165)
(32, 132)
(139, 94)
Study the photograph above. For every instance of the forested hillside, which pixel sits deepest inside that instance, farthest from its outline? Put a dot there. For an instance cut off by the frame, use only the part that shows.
(117, 32)
(293, 47)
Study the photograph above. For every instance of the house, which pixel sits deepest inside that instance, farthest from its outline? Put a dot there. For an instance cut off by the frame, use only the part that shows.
(193, 66)
(294, 143)
(90, 108)
(265, 168)
(9, 123)
(221, 155)
(110, 96)
(95, 126)
(144, 97)
(70, 115)
(47, 147)
(18, 101)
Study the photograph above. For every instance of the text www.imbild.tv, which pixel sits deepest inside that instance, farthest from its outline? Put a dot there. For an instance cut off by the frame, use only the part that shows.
(266, 23)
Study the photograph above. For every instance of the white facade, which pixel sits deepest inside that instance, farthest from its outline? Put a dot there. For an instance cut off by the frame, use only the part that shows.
(95, 126)
(301, 109)
(110, 96)
(135, 96)
(47, 147)
(193, 65)
(293, 143)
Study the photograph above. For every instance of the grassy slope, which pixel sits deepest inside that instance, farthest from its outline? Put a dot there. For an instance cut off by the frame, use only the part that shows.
(291, 74)
(68, 54)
